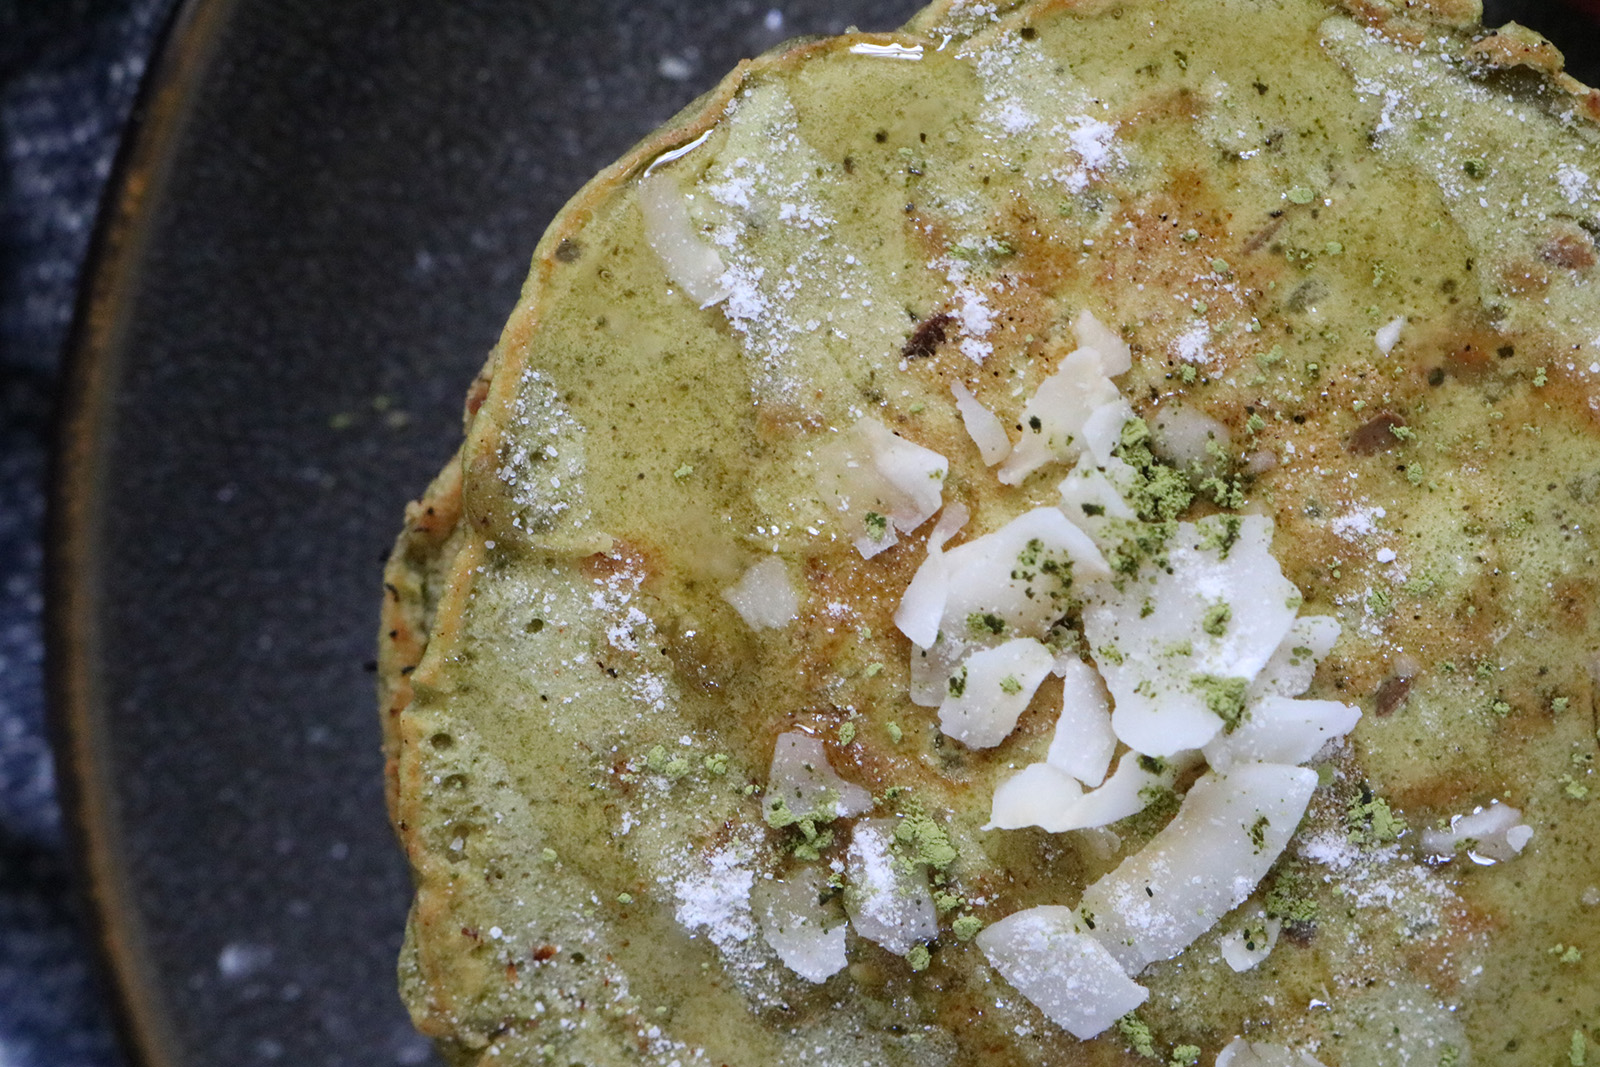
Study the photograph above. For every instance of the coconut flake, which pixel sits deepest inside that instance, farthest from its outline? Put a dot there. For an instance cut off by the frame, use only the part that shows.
(764, 598)
(1037, 795)
(1294, 662)
(1021, 572)
(1012, 583)
(692, 263)
(1242, 1053)
(990, 691)
(1102, 430)
(1129, 790)
(802, 779)
(1083, 741)
(1067, 975)
(882, 482)
(1153, 645)
(888, 901)
(1488, 835)
(1052, 421)
(1253, 942)
(1187, 437)
(1114, 354)
(1091, 496)
(1282, 730)
(1203, 864)
(922, 604)
(807, 938)
(982, 426)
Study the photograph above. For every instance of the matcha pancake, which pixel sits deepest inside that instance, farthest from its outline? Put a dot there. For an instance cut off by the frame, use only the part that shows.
(1065, 534)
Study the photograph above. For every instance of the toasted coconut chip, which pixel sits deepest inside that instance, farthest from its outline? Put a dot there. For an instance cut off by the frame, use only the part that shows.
(1022, 573)
(1203, 864)
(808, 937)
(1092, 499)
(1037, 795)
(802, 779)
(887, 900)
(1102, 430)
(1252, 942)
(1128, 791)
(1188, 438)
(1012, 583)
(1065, 974)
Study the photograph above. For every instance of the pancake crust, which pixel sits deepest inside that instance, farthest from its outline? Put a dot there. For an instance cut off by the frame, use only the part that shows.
(1354, 243)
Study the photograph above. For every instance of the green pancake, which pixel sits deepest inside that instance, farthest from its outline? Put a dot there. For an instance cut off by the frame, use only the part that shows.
(1350, 250)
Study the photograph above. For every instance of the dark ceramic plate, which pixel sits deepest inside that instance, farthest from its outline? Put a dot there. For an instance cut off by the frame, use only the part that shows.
(322, 217)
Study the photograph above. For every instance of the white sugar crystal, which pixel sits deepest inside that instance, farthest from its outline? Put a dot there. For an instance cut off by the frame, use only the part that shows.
(1067, 975)
(1151, 639)
(1279, 729)
(1052, 421)
(990, 691)
(1083, 741)
(802, 779)
(764, 598)
(1203, 864)
(808, 938)
(888, 901)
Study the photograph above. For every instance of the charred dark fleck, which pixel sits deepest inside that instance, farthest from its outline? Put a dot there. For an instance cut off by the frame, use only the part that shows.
(568, 250)
(1393, 692)
(1375, 435)
(927, 337)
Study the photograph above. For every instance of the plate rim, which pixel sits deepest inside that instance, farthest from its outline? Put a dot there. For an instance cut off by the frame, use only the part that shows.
(76, 706)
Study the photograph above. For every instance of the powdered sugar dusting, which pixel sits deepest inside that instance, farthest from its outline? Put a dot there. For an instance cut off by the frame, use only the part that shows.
(715, 897)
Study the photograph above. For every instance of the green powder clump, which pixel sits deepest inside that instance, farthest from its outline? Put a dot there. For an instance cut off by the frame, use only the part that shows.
(926, 840)
(1224, 697)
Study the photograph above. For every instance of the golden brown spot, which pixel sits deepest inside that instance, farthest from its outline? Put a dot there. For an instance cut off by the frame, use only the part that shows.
(1523, 277)
(1571, 248)
(1517, 46)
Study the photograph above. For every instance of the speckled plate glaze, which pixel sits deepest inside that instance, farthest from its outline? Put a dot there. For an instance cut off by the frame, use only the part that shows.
(322, 217)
